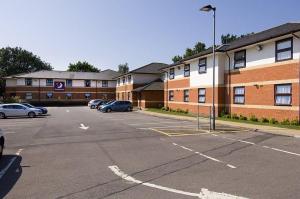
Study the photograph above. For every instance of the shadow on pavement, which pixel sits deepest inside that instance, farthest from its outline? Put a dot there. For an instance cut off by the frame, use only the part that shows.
(12, 174)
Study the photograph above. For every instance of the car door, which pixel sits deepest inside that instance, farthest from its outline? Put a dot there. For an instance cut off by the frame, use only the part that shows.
(7, 109)
(19, 110)
(115, 106)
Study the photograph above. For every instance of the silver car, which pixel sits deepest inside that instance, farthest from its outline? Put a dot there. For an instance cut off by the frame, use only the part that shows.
(18, 110)
(1, 143)
(94, 103)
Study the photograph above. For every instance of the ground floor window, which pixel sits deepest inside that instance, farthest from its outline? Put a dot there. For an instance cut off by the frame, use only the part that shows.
(49, 95)
(186, 95)
(87, 95)
(201, 95)
(69, 96)
(239, 95)
(171, 95)
(28, 96)
(283, 94)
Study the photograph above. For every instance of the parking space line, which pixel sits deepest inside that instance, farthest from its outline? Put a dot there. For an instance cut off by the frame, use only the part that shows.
(159, 131)
(204, 193)
(3, 172)
(266, 147)
(206, 156)
(136, 124)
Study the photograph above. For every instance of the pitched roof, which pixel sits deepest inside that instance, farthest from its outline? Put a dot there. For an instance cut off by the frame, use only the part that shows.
(278, 31)
(152, 86)
(152, 68)
(44, 74)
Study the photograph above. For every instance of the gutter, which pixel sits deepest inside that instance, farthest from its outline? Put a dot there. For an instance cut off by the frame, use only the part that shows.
(229, 82)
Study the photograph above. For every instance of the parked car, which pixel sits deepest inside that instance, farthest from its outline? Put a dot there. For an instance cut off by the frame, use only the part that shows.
(2, 141)
(101, 103)
(11, 110)
(104, 104)
(43, 109)
(117, 106)
(93, 103)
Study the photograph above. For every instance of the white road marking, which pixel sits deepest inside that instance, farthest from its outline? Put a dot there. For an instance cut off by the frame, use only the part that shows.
(82, 126)
(204, 193)
(67, 110)
(267, 147)
(166, 127)
(3, 171)
(135, 124)
(186, 148)
(231, 166)
(9, 132)
(297, 136)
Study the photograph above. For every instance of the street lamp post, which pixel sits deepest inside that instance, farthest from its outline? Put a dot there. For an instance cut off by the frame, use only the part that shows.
(209, 8)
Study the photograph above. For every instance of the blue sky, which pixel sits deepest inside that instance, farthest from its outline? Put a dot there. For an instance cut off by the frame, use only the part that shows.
(109, 32)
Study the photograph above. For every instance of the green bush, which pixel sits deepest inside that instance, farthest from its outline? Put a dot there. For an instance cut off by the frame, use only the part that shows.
(285, 122)
(264, 120)
(253, 118)
(227, 116)
(235, 116)
(295, 122)
(273, 121)
(12, 100)
(243, 117)
(186, 111)
(167, 108)
(223, 113)
(163, 108)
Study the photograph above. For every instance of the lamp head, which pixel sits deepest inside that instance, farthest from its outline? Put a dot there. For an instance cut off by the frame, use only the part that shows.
(208, 8)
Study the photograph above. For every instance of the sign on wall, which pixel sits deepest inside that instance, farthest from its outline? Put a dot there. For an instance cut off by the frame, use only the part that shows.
(59, 86)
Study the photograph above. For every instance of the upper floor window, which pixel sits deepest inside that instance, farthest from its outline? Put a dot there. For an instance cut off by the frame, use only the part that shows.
(104, 83)
(186, 95)
(240, 59)
(123, 80)
(284, 49)
(201, 95)
(202, 66)
(87, 83)
(283, 94)
(69, 83)
(28, 82)
(129, 78)
(171, 95)
(239, 95)
(172, 73)
(49, 82)
(187, 70)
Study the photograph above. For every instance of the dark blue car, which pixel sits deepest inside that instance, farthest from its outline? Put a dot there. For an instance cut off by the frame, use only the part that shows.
(117, 106)
(44, 110)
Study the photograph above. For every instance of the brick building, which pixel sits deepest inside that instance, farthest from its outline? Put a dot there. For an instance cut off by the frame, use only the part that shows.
(255, 75)
(128, 86)
(62, 86)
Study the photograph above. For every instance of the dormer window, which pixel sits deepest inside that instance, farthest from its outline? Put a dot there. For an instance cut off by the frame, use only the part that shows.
(172, 73)
(129, 78)
(187, 70)
(284, 49)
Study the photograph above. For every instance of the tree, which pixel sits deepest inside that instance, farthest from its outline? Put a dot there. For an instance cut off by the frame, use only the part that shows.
(82, 67)
(199, 47)
(17, 60)
(176, 58)
(225, 39)
(123, 68)
(188, 52)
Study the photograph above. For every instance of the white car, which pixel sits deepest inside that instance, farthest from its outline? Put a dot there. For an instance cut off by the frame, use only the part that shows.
(94, 103)
(1, 143)
(17, 110)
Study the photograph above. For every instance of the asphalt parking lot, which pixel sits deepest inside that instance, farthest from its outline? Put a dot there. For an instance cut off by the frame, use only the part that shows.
(76, 152)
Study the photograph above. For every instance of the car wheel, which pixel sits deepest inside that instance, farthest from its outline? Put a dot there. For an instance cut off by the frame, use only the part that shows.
(129, 109)
(108, 110)
(31, 114)
(2, 116)
(93, 106)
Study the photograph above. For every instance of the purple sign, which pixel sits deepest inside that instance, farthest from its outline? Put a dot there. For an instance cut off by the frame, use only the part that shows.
(59, 86)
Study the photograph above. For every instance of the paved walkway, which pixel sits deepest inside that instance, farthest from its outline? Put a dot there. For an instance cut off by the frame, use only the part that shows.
(262, 128)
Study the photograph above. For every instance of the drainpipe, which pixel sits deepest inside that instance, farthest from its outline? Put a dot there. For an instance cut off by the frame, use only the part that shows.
(229, 84)
(297, 37)
(167, 89)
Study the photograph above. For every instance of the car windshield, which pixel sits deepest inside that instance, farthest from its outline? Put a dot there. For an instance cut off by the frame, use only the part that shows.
(109, 102)
(28, 105)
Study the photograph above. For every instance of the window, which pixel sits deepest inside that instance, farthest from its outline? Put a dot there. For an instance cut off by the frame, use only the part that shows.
(240, 59)
(104, 83)
(28, 96)
(186, 95)
(187, 70)
(69, 96)
(284, 49)
(69, 83)
(49, 82)
(87, 95)
(28, 82)
(172, 73)
(128, 96)
(201, 95)
(49, 95)
(129, 78)
(171, 95)
(123, 80)
(202, 66)
(283, 94)
(239, 95)
(87, 83)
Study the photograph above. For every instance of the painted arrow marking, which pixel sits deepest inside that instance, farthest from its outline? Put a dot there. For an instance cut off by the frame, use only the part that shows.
(84, 127)
(204, 194)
